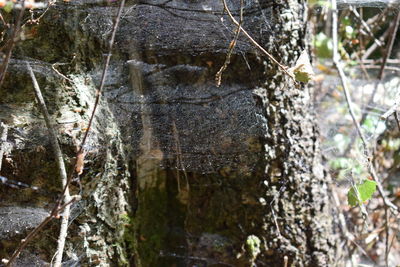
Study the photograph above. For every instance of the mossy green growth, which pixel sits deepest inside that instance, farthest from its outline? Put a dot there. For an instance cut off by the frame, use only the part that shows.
(128, 248)
(150, 226)
(159, 220)
(253, 246)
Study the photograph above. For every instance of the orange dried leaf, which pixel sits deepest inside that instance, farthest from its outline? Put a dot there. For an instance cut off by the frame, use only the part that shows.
(80, 162)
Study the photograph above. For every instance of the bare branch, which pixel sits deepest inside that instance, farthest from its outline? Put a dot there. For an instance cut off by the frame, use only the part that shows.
(218, 76)
(79, 160)
(104, 73)
(366, 26)
(389, 46)
(392, 109)
(60, 164)
(31, 235)
(11, 44)
(282, 67)
(3, 140)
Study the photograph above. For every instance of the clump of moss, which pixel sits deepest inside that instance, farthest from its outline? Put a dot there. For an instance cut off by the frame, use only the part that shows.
(253, 246)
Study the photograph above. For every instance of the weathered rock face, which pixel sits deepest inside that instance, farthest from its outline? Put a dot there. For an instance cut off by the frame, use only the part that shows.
(180, 171)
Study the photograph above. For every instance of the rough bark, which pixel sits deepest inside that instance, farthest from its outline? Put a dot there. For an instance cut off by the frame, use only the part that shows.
(180, 172)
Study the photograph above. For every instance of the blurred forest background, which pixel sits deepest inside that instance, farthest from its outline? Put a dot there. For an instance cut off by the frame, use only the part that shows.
(66, 43)
(369, 45)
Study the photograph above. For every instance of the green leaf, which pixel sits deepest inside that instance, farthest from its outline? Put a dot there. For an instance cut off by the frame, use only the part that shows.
(253, 245)
(341, 163)
(303, 71)
(361, 192)
(323, 45)
(8, 7)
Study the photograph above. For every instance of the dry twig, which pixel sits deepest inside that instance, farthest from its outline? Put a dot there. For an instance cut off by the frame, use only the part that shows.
(3, 140)
(218, 76)
(389, 46)
(80, 154)
(282, 67)
(104, 74)
(11, 43)
(388, 50)
(60, 164)
(365, 25)
(34, 232)
(396, 117)
(58, 207)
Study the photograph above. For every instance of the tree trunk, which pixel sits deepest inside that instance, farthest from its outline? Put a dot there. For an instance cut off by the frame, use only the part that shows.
(181, 172)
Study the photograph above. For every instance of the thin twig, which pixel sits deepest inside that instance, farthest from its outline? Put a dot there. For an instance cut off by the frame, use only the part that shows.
(60, 165)
(388, 51)
(343, 227)
(282, 67)
(285, 261)
(396, 117)
(34, 232)
(13, 40)
(387, 247)
(392, 69)
(374, 46)
(104, 74)
(338, 65)
(392, 109)
(218, 76)
(371, 169)
(53, 66)
(389, 47)
(3, 140)
(179, 163)
(365, 25)
(58, 207)
(30, 21)
(98, 94)
(377, 61)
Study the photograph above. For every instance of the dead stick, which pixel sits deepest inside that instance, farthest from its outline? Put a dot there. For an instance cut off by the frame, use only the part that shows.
(3, 140)
(396, 117)
(57, 208)
(34, 232)
(392, 109)
(60, 165)
(365, 25)
(218, 76)
(283, 68)
(98, 94)
(388, 50)
(104, 73)
(12, 42)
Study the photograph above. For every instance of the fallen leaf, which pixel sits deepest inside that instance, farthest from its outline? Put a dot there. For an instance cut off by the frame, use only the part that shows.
(80, 162)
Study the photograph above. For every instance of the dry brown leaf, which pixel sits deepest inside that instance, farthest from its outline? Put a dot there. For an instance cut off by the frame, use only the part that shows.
(80, 162)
